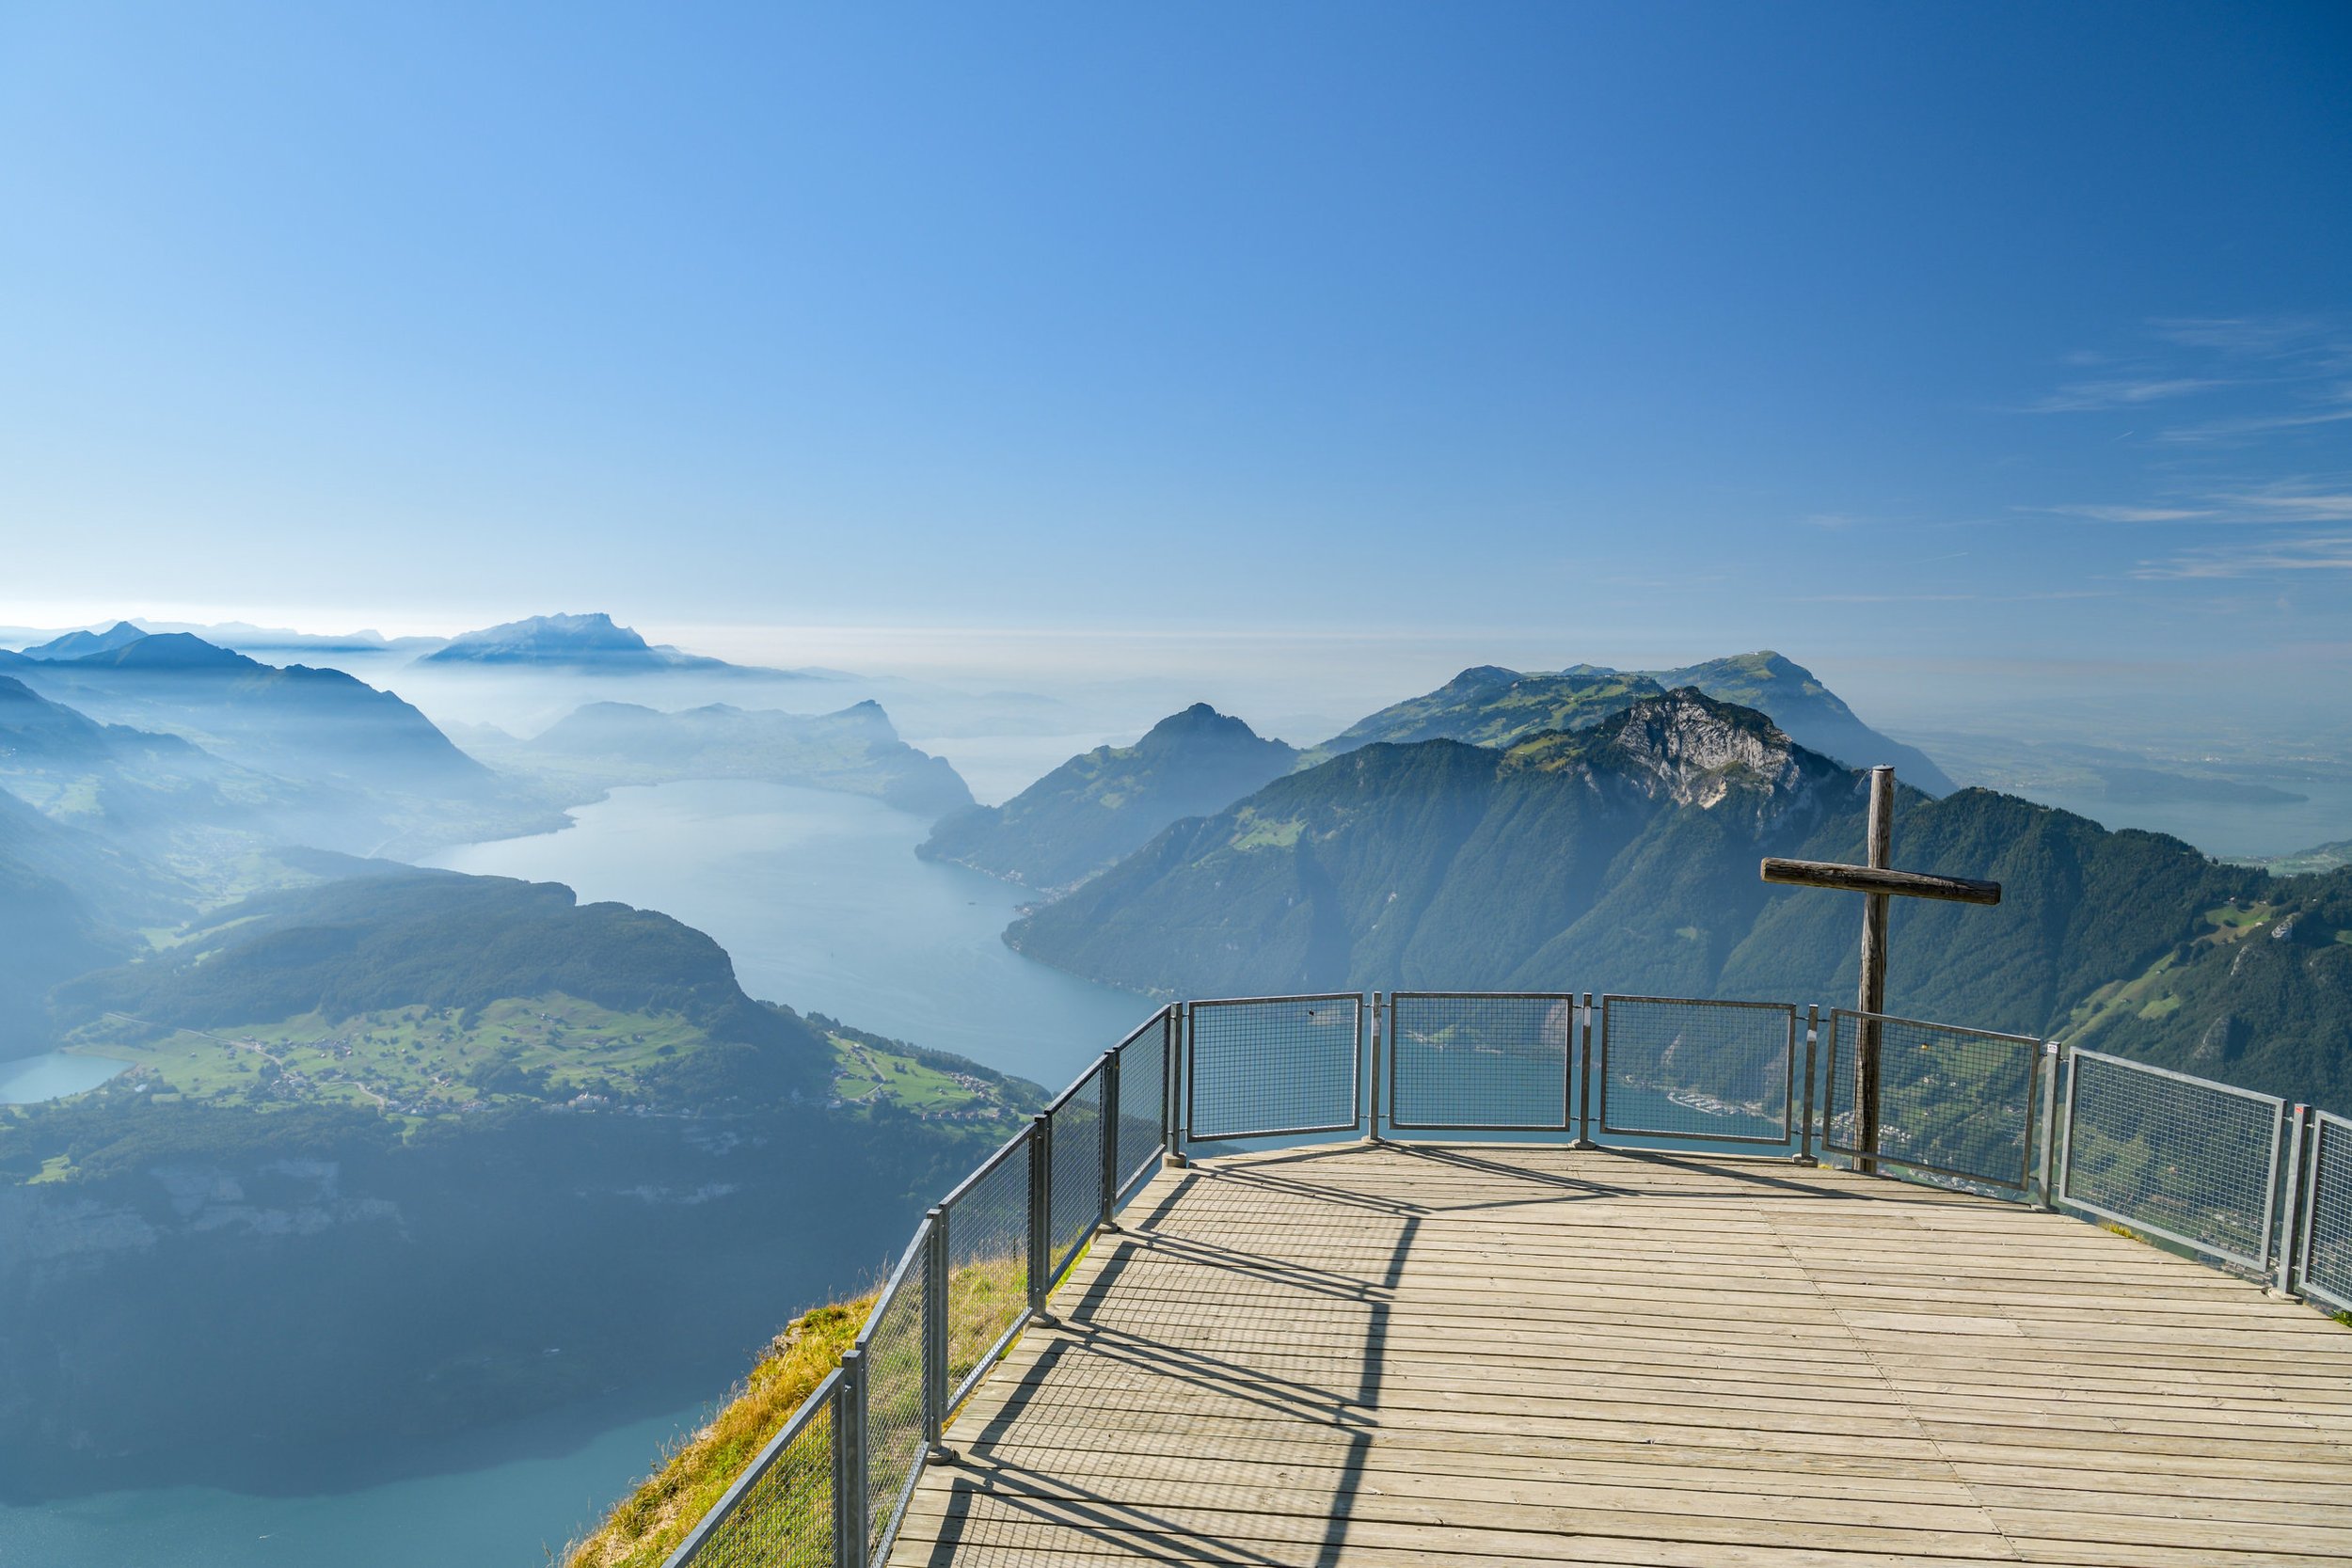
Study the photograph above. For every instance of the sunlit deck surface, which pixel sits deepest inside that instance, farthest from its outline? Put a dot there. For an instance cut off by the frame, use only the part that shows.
(1417, 1356)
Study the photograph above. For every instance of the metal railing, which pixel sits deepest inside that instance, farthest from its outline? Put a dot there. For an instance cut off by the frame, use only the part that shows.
(2186, 1159)
(2324, 1263)
(1483, 1061)
(1708, 1072)
(1261, 1066)
(2237, 1178)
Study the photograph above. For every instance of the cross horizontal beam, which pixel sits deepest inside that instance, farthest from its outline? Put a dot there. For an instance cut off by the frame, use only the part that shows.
(1864, 879)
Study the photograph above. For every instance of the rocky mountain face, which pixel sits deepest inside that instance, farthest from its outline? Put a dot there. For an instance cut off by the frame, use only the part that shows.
(1095, 808)
(1794, 698)
(1489, 705)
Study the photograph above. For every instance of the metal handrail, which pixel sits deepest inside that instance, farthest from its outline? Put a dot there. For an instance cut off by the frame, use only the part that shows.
(1787, 1013)
(2305, 1230)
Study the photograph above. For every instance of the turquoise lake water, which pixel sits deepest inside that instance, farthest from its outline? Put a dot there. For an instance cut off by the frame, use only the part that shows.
(501, 1515)
(822, 904)
(52, 1075)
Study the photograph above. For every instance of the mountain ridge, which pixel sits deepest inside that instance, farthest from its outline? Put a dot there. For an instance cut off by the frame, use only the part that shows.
(1490, 706)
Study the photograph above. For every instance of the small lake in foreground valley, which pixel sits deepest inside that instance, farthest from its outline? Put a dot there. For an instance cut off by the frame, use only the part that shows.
(52, 1075)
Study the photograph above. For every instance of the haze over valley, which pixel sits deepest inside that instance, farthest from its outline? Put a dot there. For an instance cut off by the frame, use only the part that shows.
(630, 637)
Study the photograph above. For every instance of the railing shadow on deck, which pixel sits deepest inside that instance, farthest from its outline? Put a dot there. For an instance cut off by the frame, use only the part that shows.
(2242, 1181)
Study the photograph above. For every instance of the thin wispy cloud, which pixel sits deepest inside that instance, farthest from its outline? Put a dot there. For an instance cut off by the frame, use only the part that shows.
(2330, 552)
(2083, 397)
(2334, 409)
(2249, 336)
(2129, 514)
(2293, 500)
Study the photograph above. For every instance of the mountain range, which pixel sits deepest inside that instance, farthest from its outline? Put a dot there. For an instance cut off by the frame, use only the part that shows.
(1081, 817)
(295, 721)
(1623, 857)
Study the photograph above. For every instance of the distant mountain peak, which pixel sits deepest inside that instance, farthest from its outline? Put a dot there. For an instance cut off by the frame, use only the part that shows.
(1196, 722)
(168, 650)
(80, 645)
(542, 637)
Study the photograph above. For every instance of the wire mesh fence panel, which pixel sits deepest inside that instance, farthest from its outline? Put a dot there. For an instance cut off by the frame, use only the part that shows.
(1952, 1102)
(893, 1344)
(2327, 1271)
(1722, 1072)
(988, 1261)
(1270, 1067)
(779, 1514)
(1073, 1188)
(2187, 1159)
(1140, 1126)
(1480, 1061)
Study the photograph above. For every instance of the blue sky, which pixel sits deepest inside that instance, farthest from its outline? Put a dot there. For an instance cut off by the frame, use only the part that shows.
(2006, 341)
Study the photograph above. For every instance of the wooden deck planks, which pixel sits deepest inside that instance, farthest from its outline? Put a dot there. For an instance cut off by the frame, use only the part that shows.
(1408, 1357)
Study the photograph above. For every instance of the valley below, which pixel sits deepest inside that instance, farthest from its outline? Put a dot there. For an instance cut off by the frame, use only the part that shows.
(656, 1276)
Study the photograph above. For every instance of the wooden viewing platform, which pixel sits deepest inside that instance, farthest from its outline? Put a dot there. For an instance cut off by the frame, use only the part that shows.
(1413, 1357)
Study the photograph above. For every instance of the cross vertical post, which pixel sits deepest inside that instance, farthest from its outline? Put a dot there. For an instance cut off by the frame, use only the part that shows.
(1877, 882)
(1871, 993)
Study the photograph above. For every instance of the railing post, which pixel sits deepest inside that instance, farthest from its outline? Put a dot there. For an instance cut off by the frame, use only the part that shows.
(2315, 1145)
(2052, 1062)
(1372, 1123)
(851, 1517)
(1040, 1215)
(1584, 1087)
(935, 1449)
(1178, 1034)
(2289, 1205)
(2065, 1132)
(1804, 1128)
(1112, 1166)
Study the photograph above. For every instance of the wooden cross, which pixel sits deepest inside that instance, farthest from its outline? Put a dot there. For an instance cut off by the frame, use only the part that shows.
(1879, 882)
